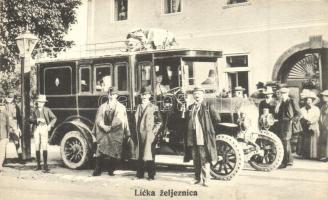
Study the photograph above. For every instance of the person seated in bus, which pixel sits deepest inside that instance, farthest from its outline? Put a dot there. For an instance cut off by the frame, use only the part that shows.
(84, 86)
(160, 89)
(172, 76)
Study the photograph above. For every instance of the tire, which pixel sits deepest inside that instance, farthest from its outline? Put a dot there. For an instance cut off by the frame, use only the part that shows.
(74, 150)
(230, 158)
(273, 152)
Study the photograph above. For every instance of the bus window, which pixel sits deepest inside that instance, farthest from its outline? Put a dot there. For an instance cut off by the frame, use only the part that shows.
(85, 79)
(201, 73)
(59, 81)
(121, 77)
(103, 77)
(144, 75)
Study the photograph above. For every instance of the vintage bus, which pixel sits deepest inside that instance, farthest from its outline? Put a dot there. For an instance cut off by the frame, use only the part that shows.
(75, 88)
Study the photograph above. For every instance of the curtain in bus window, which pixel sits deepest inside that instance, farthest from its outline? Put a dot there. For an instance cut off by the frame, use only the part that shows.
(58, 81)
(122, 78)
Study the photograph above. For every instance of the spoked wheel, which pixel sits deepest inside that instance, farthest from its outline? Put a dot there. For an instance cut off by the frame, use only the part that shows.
(273, 152)
(74, 150)
(230, 158)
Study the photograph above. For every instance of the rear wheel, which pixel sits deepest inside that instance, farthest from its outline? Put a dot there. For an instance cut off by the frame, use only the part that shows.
(273, 152)
(74, 150)
(230, 158)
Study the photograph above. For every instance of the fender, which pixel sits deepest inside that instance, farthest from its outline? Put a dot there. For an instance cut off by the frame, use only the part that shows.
(81, 124)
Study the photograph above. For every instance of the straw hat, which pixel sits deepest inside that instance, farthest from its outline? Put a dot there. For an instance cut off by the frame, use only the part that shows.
(324, 93)
(41, 98)
(308, 94)
(198, 88)
(145, 90)
(239, 88)
(268, 91)
(284, 90)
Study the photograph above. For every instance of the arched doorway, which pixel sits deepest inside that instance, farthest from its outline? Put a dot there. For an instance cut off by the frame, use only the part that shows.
(304, 65)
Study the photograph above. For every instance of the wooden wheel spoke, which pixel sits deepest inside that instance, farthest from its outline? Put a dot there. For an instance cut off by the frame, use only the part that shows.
(225, 168)
(230, 166)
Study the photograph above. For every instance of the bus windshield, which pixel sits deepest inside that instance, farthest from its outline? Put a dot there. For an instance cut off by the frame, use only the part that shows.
(201, 74)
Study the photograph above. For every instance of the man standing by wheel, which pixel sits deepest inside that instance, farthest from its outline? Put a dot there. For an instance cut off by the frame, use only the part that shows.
(148, 122)
(288, 112)
(111, 127)
(200, 137)
(44, 120)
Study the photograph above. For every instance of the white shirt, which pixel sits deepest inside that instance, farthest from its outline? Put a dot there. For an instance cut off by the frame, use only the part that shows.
(198, 126)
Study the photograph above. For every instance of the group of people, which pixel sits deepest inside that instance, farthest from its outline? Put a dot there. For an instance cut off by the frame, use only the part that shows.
(42, 120)
(308, 124)
(112, 131)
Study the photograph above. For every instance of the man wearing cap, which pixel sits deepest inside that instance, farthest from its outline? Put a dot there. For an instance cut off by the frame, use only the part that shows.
(148, 121)
(323, 150)
(288, 113)
(44, 120)
(239, 91)
(15, 132)
(4, 129)
(200, 136)
(111, 128)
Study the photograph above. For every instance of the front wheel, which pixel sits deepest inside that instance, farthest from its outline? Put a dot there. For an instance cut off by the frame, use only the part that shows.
(74, 150)
(273, 152)
(230, 158)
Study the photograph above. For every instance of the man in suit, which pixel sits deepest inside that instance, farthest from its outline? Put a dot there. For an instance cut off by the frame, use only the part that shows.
(4, 129)
(200, 136)
(148, 122)
(288, 113)
(44, 120)
(111, 128)
(15, 132)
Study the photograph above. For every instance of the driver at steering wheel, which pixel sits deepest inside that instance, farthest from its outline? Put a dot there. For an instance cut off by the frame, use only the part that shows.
(159, 88)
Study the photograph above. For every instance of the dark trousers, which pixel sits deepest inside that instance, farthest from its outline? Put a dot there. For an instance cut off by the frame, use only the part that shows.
(285, 135)
(112, 164)
(201, 164)
(148, 165)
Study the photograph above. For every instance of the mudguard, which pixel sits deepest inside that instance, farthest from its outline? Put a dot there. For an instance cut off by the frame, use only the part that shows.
(78, 123)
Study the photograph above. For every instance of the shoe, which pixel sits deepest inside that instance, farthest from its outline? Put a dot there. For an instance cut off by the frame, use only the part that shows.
(20, 159)
(45, 162)
(282, 166)
(97, 170)
(38, 155)
(197, 182)
(111, 174)
(204, 185)
(290, 164)
(151, 178)
(46, 170)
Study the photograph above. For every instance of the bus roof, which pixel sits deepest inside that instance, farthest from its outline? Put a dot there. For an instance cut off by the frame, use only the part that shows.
(178, 52)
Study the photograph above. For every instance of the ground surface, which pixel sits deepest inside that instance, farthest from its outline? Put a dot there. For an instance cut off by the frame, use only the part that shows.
(305, 180)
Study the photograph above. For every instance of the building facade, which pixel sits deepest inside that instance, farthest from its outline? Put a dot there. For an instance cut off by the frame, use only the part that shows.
(261, 40)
